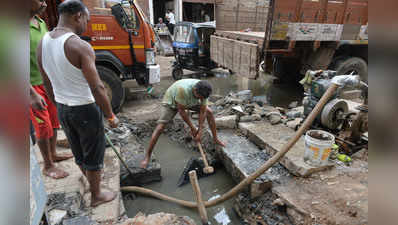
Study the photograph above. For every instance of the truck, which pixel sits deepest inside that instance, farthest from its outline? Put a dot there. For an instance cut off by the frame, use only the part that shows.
(289, 37)
(124, 45)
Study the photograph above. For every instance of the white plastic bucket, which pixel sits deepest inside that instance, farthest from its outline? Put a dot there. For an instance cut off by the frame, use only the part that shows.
(318, 146)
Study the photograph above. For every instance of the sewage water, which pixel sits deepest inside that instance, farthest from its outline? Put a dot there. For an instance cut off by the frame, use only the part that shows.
(223, 83)
(173, 157)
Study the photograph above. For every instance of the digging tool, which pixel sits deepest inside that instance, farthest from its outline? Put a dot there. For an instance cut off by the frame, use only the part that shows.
(338, 81)
(208, 169)
(201, 167)
(198, 195)
(118, 155)
(193, 164)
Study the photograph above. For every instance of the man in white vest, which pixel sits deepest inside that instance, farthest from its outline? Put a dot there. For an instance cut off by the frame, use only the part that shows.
(67, 65)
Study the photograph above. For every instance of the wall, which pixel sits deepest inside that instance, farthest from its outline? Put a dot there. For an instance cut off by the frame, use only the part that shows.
(236, 15)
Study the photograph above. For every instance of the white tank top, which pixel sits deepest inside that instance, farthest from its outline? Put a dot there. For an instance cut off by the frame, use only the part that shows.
(69, 84)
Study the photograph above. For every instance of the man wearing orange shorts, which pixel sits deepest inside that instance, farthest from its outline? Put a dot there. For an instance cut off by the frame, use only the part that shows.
(43, 112)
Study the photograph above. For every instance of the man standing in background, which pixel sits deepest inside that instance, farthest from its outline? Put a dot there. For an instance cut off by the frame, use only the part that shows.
(172, 22)
(43, 112)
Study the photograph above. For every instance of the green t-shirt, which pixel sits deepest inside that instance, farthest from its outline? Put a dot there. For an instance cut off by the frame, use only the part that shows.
(36, 34)
(181, 92)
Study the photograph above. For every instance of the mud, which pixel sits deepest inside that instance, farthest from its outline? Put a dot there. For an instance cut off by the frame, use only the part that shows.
(320, 136)
(261, 210)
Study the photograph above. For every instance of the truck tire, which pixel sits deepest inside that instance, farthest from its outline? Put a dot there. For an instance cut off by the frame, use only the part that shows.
(114, 87)
(347, 65)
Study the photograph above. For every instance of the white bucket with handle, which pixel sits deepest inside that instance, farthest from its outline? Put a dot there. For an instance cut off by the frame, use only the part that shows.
(318, 146)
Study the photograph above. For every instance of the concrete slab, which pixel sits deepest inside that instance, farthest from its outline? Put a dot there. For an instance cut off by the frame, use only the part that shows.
(72, 184)
(242, 158)
(67, 185)
(226, 122)
(133, 153)
(272, 138)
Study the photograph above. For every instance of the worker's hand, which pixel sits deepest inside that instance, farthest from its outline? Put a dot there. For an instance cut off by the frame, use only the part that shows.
(198, 137)
(194, 132)
(38, 102)
(144, 163)
(113, 121)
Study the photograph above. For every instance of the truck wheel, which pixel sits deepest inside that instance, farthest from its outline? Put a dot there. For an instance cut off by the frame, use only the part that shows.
(347, 65)
(177, 73)
(114, 88)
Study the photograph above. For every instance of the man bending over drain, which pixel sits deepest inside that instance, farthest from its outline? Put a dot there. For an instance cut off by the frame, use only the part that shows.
(187, 94)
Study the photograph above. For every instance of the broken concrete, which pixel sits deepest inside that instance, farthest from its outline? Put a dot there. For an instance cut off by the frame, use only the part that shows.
(242, 158)
(260, 210)
(274, 117)
(293, 114)
(133, 153)
(294, 124)
(55, 216)
(82, 220)
(250, 118)
(226, 122)
(272, 138)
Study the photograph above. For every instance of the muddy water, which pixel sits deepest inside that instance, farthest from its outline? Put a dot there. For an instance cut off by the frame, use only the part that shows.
(173, 158)
(223, 83)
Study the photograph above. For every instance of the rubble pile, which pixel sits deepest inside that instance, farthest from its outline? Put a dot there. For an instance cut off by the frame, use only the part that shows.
(243, 107)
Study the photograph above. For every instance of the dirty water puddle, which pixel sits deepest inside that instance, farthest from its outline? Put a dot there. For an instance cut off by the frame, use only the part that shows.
(173, 157)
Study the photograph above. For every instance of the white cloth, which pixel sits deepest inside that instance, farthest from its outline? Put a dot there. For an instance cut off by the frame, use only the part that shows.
(69, 84)
(170, 16)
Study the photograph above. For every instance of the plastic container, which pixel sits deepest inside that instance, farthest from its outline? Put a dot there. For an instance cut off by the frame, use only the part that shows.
(318, 146)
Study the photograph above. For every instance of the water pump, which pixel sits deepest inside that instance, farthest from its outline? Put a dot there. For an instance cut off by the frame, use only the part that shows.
(333, 114)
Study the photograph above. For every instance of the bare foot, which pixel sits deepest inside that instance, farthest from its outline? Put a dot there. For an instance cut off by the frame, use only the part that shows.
(144, 163)
(59, 157)
(102, 198)
(55, 173)
(218, 142)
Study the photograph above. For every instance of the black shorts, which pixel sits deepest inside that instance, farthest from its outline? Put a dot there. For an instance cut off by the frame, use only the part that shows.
(84, 128)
